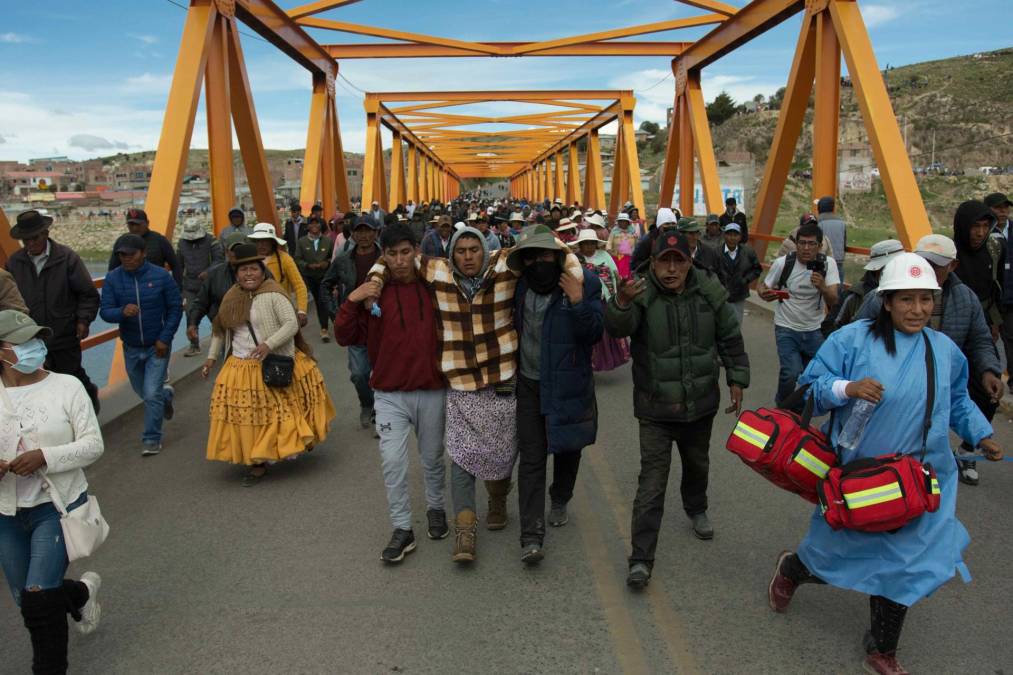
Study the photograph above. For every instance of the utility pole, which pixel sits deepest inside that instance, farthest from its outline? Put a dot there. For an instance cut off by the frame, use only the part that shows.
(933, 148)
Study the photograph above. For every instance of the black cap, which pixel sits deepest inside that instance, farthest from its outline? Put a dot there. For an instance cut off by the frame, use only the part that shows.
(128, 243)
(671, 240)
(294, 205)
(366, 221)
(997, 199)
(136, 216)
(236, 211)
(730, 201)
(825, 205)
(315, 208)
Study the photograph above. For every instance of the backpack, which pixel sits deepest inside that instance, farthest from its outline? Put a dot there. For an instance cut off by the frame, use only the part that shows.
(789, 266)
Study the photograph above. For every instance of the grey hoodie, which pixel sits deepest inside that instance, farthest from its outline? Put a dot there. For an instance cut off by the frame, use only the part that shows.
(470, 285)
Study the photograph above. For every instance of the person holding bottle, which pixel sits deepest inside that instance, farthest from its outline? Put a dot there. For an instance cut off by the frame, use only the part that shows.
(878, 367)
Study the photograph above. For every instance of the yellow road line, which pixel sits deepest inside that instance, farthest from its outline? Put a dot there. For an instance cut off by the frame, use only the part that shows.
(667, 621)
(629, 651)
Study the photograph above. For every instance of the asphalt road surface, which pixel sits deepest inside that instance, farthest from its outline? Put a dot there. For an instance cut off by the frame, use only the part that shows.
(204, 576)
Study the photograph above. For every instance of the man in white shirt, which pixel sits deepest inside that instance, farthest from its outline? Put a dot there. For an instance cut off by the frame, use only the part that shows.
(811, 285)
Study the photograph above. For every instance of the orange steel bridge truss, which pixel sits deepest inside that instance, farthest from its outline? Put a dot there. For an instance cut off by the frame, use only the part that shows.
(432, 153)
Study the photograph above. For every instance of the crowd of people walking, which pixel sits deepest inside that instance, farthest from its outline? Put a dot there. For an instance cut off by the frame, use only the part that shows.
(478, 326)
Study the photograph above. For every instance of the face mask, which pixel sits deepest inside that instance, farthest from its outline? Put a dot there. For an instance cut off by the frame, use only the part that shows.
(543, 276)
(31, 355)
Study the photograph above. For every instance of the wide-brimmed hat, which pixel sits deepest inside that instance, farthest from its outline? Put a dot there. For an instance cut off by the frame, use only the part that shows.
(266, 231)
(587, 235)
(245, 253)
(566, 224)
(533, 237)
(193, 230)
(595, 220)
(883, 252)
(516, 217)
(17, 327)
(29, 224)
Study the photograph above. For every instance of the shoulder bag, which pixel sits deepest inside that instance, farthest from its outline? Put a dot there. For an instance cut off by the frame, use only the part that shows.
(276, 369)
(84, 528)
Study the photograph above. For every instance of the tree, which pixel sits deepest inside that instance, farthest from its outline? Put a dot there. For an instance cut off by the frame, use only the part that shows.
(649, 127)
(759, 99)
(776, 99)
(721, 108)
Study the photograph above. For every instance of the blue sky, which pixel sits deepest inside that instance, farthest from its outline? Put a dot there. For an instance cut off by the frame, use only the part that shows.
(93, 83)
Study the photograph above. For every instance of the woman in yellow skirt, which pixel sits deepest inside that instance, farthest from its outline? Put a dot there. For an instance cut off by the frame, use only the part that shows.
(253, 424)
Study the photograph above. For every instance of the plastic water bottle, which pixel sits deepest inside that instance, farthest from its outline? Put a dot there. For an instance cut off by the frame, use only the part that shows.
(853, 429)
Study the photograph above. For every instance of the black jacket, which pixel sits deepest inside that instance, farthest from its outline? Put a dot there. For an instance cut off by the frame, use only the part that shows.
(62, 296)
(219, 280)
(741, 272)
(157, 251)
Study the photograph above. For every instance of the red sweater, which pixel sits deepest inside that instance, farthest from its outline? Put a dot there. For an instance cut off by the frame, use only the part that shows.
(401, 342)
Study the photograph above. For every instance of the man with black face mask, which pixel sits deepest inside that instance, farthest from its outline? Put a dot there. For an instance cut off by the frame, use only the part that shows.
(559, 320)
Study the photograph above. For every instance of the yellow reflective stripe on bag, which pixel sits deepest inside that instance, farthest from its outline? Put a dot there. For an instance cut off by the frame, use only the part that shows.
(751, 435)
(873, 496)
(935, 486)
(812, 463)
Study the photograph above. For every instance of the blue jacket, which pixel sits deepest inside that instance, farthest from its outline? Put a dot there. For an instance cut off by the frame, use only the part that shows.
(155, 292)
(569, 333)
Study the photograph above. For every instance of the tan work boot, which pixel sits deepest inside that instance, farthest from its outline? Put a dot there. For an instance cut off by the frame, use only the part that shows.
(465, 533)
(498, 490)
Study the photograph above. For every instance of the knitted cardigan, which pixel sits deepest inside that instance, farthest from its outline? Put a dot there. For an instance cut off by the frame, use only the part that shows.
(275, 324)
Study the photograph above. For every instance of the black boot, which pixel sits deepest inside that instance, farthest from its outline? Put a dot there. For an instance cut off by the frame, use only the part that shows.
(76, 594)
(45, 615)
(887, 618)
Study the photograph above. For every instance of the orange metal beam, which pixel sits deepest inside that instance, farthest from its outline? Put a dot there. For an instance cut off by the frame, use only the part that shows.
(826, 120)
(251, 147)
(313, 154)
(317, 7)
(573, 191)
(789, 126)
(376, 31)
(507, 95)
(643, 29)
(8, 245)
(631, 163)
(412, 50)
(219, 114)
(687, 182)
(271, 22)
(180, 111)
(752, 20)
(902, 193)
(712, 5)
(702, 142)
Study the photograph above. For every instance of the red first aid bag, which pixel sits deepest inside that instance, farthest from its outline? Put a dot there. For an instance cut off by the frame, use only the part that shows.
(782, 447)
(884, 493)
(878, 494)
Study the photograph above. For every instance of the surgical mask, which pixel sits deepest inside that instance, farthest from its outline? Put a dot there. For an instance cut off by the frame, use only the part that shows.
(31, 355)
(543, 276)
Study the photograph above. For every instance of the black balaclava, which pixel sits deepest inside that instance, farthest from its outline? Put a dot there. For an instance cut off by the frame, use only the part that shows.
(543, 276)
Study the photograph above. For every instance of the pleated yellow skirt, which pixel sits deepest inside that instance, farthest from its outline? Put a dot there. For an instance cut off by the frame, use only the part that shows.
(253, 423)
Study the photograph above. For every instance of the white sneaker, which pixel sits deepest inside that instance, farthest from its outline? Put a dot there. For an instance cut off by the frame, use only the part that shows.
(92, 610)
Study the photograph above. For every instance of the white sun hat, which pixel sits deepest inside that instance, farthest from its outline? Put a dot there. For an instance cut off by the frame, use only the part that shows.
(266, 231)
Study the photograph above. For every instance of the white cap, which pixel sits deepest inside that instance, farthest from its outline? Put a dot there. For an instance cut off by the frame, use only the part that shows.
(623, 216)
(665, 216)
(459, 226)
(587, 235)
(472, 216)
(937, 248)
(266, 231)
(908, 271)
(883, 252)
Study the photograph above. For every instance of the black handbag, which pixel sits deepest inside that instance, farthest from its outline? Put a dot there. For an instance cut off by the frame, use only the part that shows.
(276, 369)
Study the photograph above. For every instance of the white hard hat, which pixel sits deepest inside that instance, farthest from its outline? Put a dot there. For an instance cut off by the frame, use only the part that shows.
(907, 271)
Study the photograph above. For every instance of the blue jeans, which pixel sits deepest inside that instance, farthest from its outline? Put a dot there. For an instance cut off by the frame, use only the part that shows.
(795, 349)
(358, 366)
(147, 375)
(32, 551)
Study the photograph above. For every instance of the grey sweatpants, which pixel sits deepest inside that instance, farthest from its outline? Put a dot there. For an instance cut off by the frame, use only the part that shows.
(397, 414)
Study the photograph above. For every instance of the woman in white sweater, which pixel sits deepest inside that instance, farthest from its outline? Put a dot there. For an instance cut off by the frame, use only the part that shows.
(48, 434)
(251, 423)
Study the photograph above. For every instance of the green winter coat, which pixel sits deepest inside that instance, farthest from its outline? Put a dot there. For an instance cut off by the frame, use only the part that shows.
(676, 341)
(305, 254)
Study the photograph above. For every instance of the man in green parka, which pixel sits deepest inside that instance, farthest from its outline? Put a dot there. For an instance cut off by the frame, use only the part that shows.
(680, 325)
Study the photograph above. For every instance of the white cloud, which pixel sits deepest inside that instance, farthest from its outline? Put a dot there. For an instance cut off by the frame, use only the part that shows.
(15, 38)
(146, 39)
(91, 143)
(877, 15)
(148, 84)
(2, 140)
